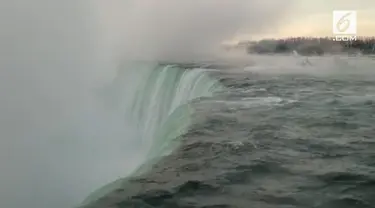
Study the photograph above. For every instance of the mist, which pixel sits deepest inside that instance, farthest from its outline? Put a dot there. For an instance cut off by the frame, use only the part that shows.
(180, 29)
(58, 142)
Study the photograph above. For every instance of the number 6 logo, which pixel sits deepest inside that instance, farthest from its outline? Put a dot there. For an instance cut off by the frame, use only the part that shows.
(344, 22)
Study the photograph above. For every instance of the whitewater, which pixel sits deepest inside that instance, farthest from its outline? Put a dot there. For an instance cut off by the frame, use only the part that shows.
(130, 123)
(156, 99)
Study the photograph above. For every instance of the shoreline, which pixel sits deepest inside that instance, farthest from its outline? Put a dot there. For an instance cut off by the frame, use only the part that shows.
(309, 46)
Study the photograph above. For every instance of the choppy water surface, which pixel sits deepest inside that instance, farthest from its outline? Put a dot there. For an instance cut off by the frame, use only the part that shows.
(269, 140)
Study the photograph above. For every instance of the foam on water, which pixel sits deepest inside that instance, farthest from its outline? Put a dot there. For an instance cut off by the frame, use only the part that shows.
(156, 100)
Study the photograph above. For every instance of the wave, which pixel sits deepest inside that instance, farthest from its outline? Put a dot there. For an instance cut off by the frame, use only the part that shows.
(156, 99)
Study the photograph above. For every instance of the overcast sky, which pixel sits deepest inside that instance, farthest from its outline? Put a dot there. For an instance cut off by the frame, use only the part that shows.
(169, 27)
(314, 18)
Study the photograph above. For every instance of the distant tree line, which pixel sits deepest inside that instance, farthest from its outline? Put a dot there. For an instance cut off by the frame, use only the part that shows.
(312, 46)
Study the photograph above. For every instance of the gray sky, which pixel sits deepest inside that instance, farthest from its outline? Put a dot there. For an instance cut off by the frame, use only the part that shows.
(166, 28)
(314, 18)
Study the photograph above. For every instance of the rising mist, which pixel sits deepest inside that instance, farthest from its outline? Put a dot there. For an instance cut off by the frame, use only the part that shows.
(57, 142)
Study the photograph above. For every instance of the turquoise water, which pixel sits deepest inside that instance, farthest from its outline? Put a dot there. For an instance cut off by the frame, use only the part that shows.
(155, 99)
(281, 134)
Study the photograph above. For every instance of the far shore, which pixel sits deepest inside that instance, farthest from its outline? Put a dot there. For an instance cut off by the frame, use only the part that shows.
(309, 46)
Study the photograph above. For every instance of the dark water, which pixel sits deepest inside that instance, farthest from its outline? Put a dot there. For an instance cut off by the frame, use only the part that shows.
(268, 141)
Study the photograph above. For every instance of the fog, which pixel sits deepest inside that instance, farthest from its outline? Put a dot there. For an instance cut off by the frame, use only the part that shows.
(180, 29)
(57, 142)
